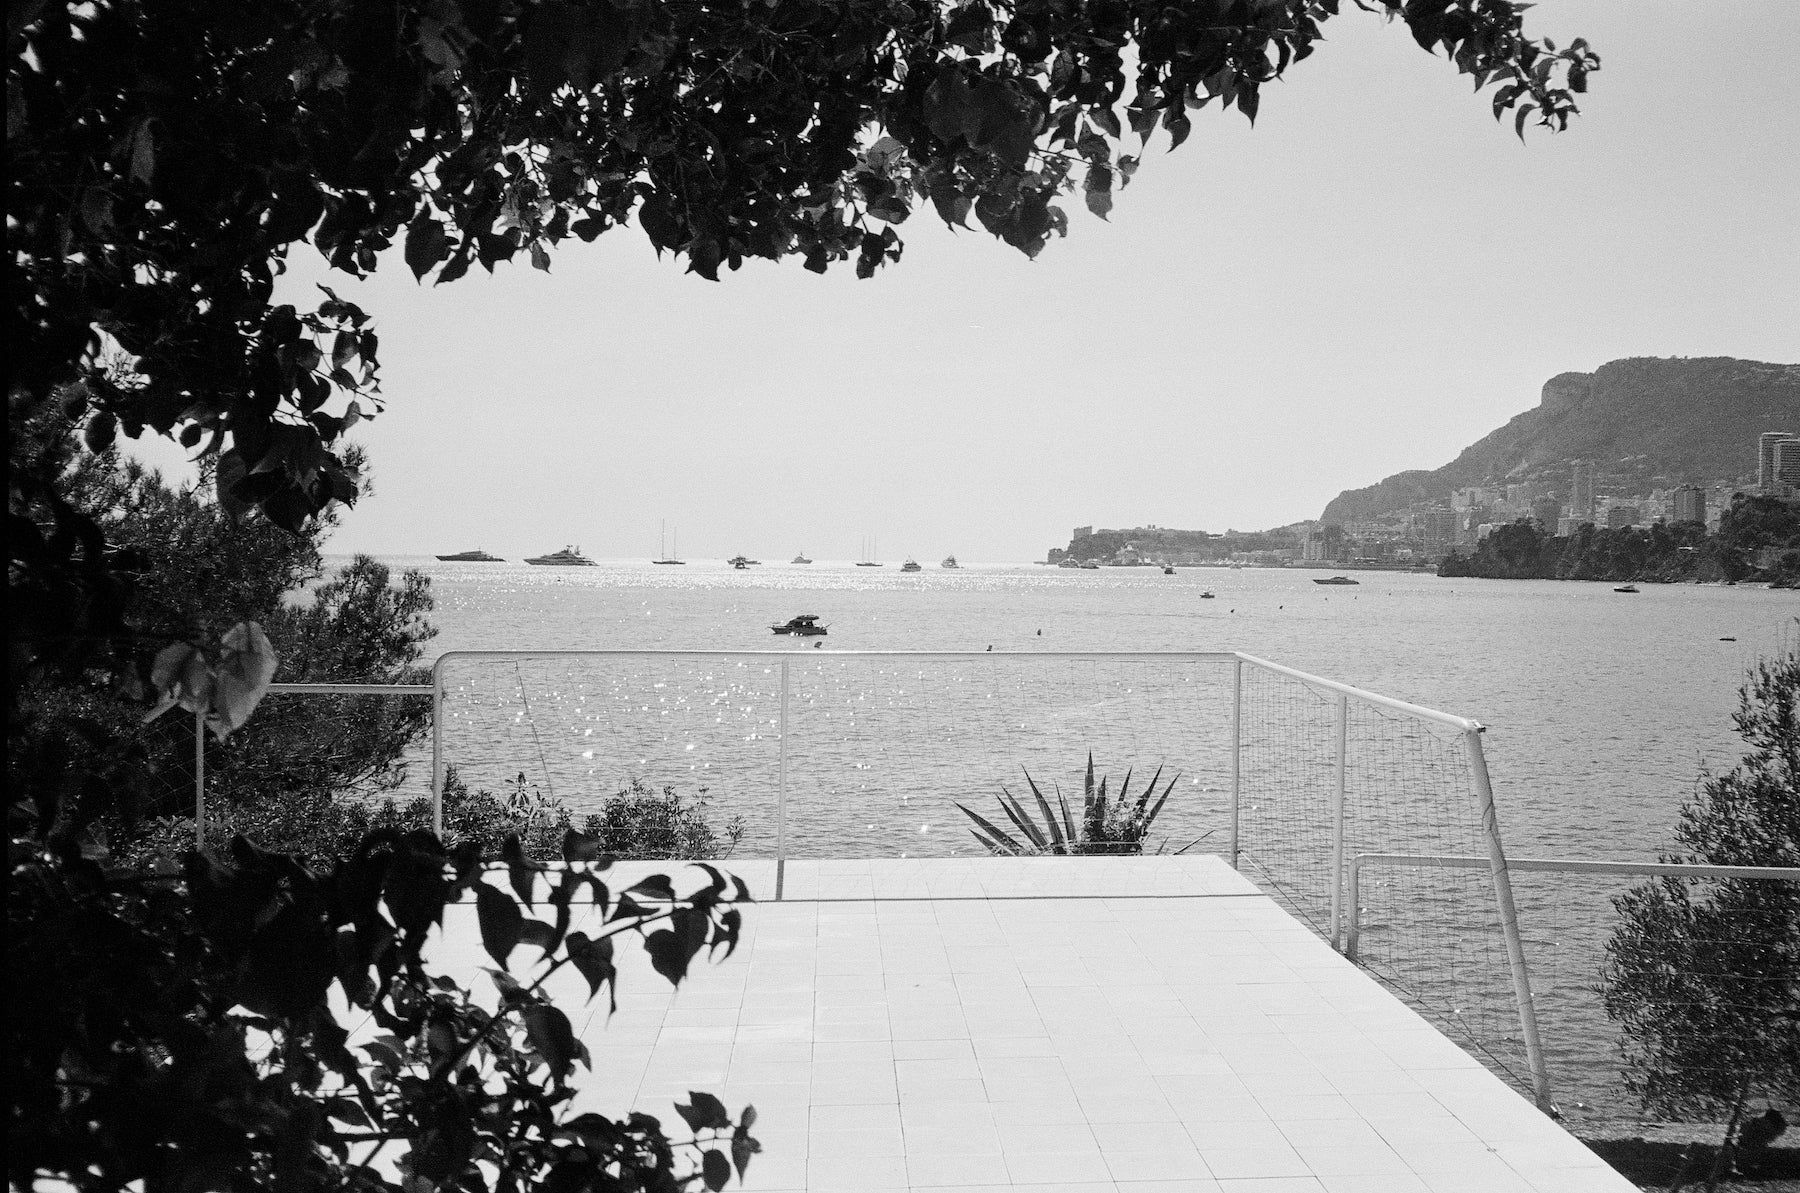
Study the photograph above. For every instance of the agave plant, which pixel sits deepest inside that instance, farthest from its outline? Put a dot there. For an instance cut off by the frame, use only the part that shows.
(1111, 824)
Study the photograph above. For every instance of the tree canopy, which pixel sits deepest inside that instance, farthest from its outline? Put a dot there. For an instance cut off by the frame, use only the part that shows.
(165, 157)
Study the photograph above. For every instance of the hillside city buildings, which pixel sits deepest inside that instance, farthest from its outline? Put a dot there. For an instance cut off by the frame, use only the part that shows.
(1606, 494)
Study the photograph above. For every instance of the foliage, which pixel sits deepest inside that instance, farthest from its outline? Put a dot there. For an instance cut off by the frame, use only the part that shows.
(77, 744)
(177, 1032)
(320, 828)
(1109, 825)
(1704, 979)
(1663, 553)
(640, 822)
(165, 157)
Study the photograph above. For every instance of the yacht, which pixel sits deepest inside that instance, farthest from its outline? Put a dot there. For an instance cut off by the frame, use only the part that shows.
(675, 558)
(740, 562)
(949, 562)
(1336, 580)
(801, 558)
(806, 625)
(471, 557)
(911, 565)
(865, 561)
(567, 557)
(1626, 588)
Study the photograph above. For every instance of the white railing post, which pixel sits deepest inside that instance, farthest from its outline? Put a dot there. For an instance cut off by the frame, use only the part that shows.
(1237, 750)
(1353, 935)
(437, 749)
(1509, 918)
(200, 777)
(781, 792)
(1337, 822)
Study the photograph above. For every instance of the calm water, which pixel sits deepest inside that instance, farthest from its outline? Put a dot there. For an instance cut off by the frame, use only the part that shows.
(1602, 709)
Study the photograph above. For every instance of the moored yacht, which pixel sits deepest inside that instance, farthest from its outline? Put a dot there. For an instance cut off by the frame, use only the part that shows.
(911, 565)
(949, 562)
(476, 556)
(567, 557)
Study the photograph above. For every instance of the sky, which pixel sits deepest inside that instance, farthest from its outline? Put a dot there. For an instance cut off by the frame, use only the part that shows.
(1369, 280)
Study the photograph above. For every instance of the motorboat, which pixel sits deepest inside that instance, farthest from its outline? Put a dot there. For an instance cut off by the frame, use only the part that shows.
(1206, 596)
(801, 558)
(567, 557)
(806, 625)
(1168, 569)
(911, 565)
(1088, 566)
(1336, 580)
(949, 562)
(471, 557)
(1626, 588)
(739, 562)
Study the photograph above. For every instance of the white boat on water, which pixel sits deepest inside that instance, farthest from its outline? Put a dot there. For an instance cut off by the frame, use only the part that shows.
(567, 557)
(800, 558)
(949, 562)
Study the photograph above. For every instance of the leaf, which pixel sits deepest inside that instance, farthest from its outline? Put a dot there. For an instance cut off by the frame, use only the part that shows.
(593, 959)
(426, 245)
(715, 1169)
(246, 665)
(550, 1032)
(1057, 842)
(101, 431)
(703, 1112)
(656, 886)
(501, 922)
(579, 847)
(1519, 120)
(998, 836)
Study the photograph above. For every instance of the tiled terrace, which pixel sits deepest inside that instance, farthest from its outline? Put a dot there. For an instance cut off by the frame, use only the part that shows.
(1077, 1025)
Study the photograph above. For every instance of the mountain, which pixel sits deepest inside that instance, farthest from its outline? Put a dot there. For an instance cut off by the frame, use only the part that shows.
(1645, 422)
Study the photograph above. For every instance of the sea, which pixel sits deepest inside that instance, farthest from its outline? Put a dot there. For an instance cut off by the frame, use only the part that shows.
(1602, 709)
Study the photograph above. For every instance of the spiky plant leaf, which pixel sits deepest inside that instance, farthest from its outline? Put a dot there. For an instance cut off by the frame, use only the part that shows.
(1057, 844)
(1015, 811)
(999, 835)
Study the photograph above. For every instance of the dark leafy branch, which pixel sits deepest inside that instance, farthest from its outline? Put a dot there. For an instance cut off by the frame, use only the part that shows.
(165, 157)
(179, 1031)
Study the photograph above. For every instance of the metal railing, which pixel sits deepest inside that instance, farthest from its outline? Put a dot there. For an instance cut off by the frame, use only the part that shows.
(1342, 869)
(1588, 1022)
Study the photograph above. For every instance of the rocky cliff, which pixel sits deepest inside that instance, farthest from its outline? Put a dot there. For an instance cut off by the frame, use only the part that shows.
(1663, 421)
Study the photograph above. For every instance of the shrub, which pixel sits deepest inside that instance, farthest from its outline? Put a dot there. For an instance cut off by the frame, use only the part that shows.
(177, 1030)
(320, 828)
(1109, 825)
(643, 823)
(1704, 979)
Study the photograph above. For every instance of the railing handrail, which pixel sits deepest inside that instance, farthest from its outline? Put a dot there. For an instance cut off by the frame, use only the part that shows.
(1464, 724)
(351, 689)
(1458, 861)
(1582, 866)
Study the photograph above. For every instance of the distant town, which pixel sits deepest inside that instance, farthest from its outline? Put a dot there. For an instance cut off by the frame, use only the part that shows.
(1558, 499)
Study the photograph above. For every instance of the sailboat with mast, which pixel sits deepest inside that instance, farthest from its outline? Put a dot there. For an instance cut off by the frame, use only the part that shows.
(868, 550)
(669, 559)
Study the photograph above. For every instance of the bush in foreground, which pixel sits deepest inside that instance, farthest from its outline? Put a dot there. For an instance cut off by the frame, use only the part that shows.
(176, 1031)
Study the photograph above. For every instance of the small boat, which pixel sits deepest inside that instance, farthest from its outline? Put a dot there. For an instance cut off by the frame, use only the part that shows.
(1168, 569)
(1088, 566)
(471, 557)
(949, 562)
(868, 563)
(806, 625)
(1626, 588)
(801, 558)
(911, 565)
(739, 562)
(1206, 596)
(1337, 580)
(567, 557)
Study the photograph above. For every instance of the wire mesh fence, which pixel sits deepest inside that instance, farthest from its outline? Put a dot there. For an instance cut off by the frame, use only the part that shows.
(879, 749)
(1326, 777)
